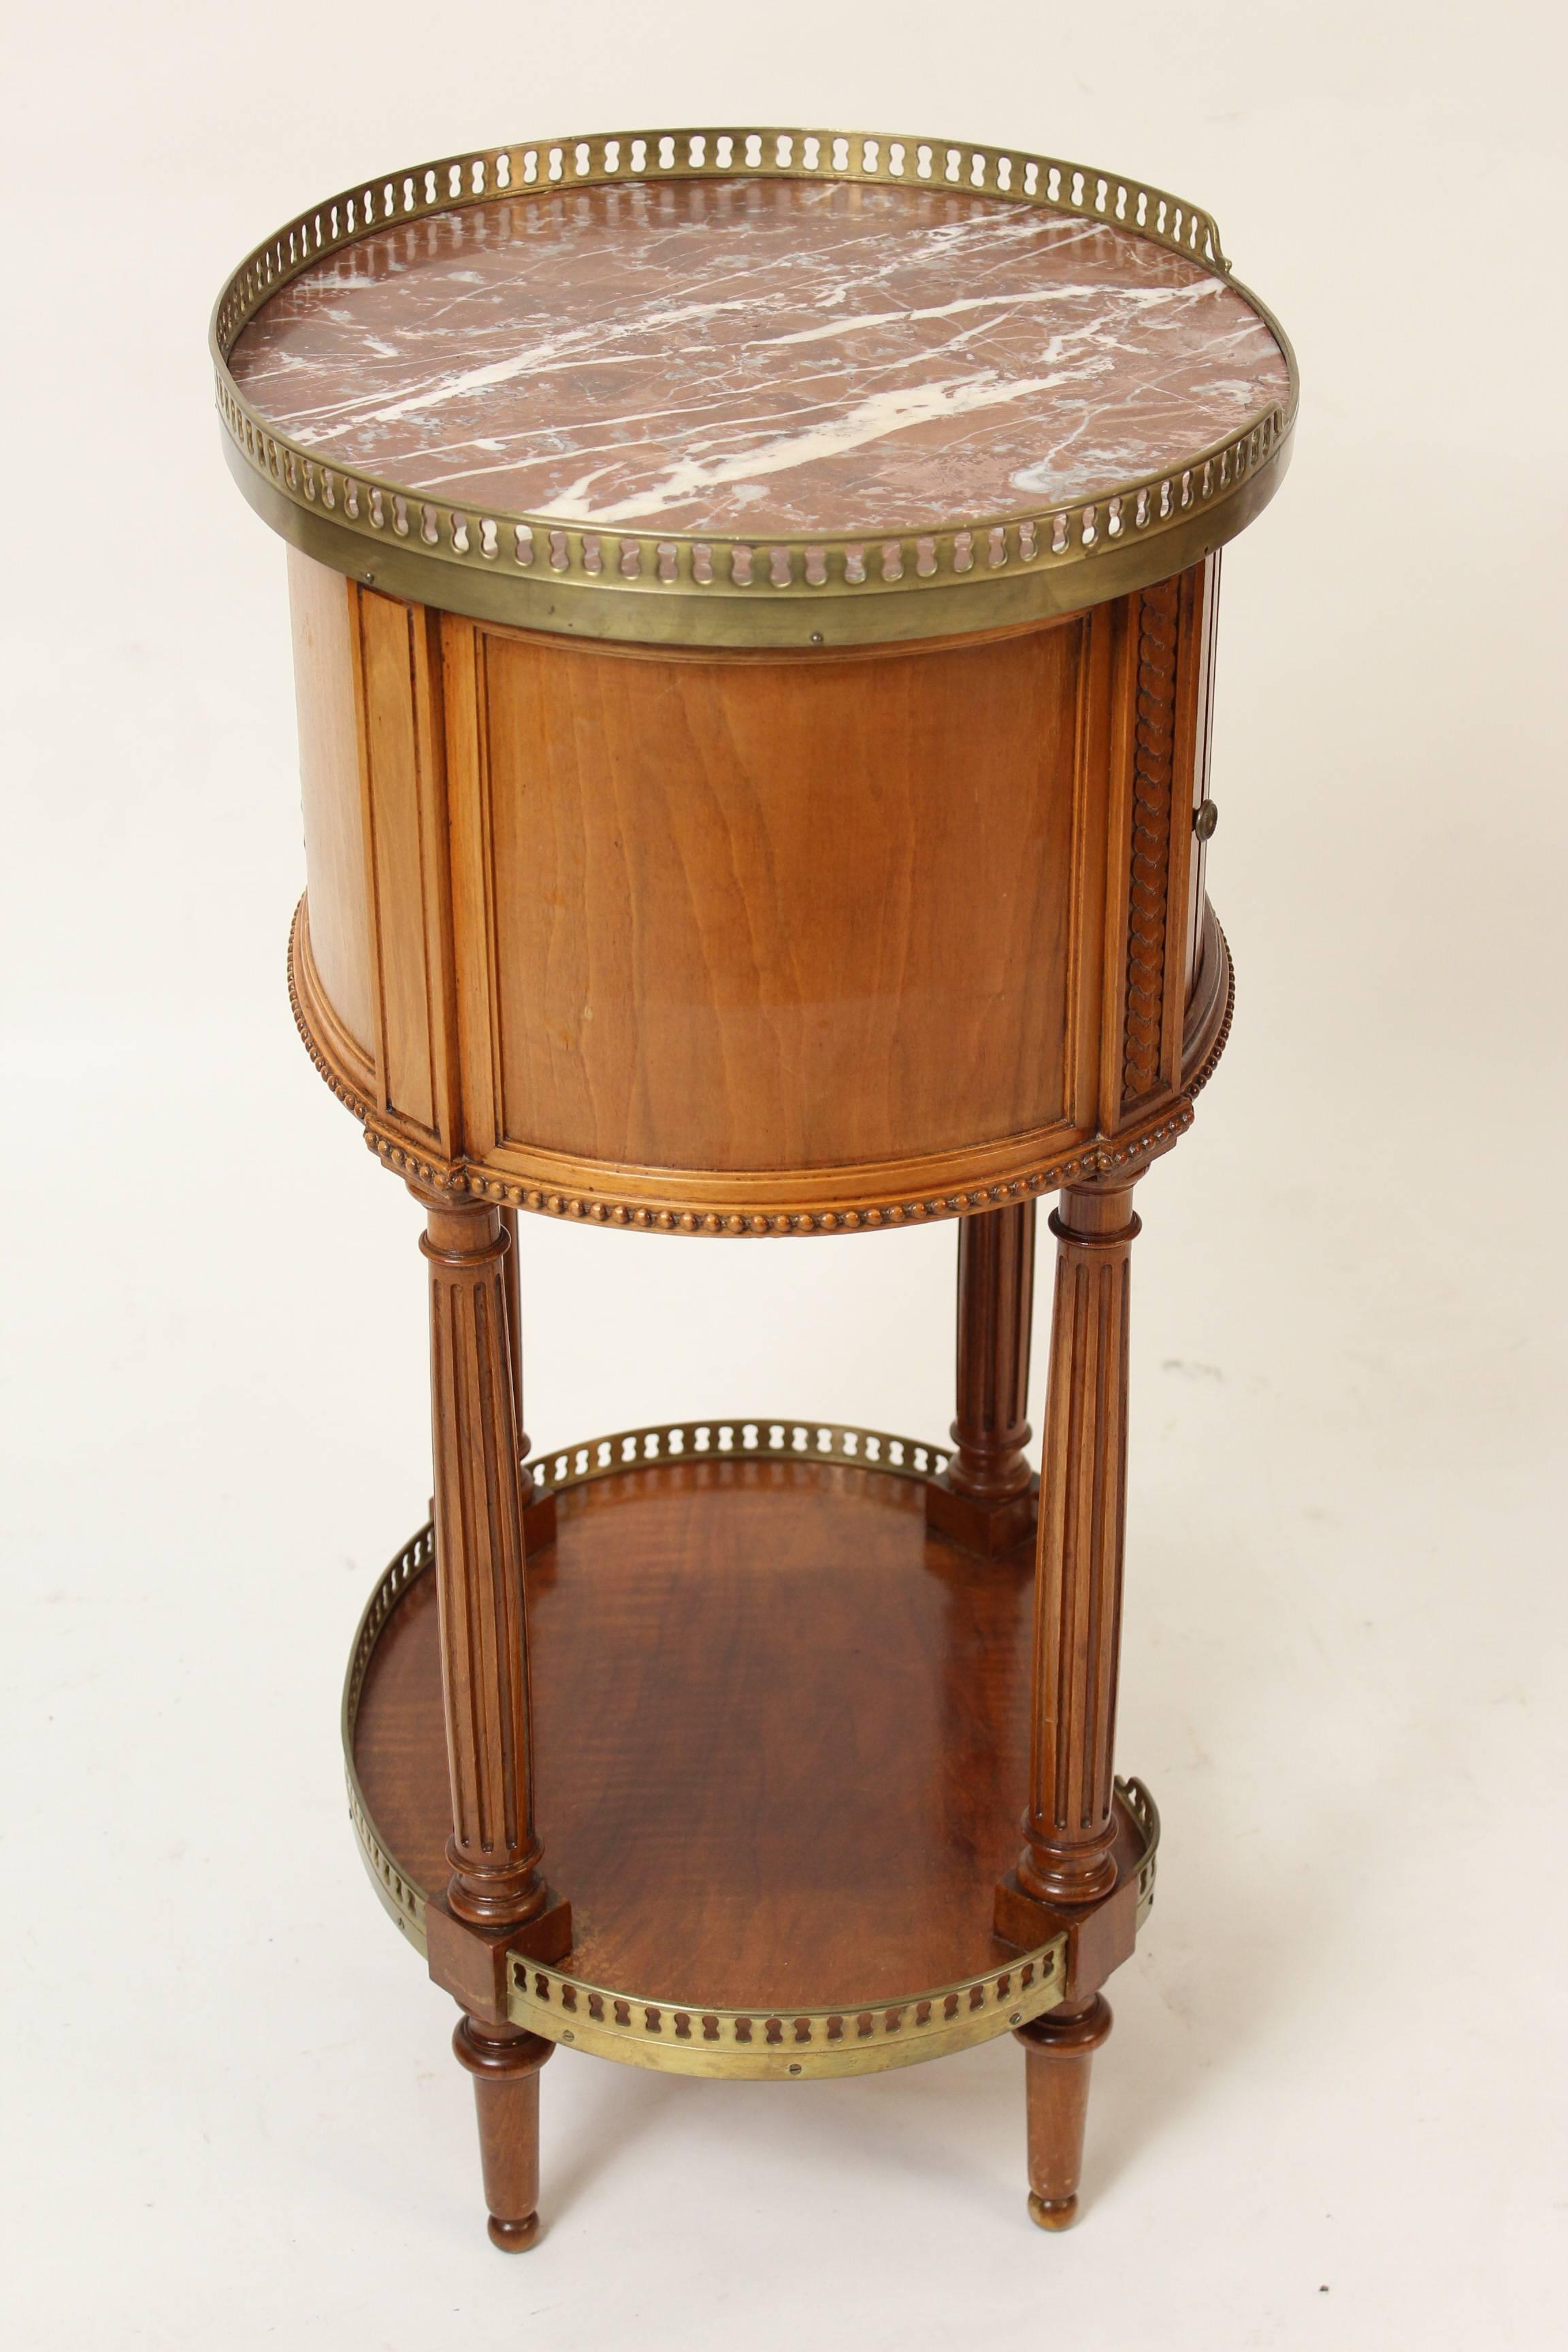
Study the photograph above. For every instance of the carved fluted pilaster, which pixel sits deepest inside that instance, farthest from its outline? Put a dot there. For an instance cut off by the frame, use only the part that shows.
(1153, 795)
(1069, 1826)
(513, 1285)
(538, 1511)
(494, 1850)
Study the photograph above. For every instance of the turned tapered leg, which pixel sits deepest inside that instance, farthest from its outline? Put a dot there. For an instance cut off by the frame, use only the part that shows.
(985, 1498)
(1069, 1826)
(1058, 2048)
(504, 2061)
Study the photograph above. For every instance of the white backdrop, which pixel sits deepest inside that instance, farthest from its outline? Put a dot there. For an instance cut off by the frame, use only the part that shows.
(1332, 2112)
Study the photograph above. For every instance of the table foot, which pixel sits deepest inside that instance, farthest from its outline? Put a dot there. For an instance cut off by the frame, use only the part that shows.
(513, 2237)
(1056, 2213)
(504, 2061)
(1057, 2049)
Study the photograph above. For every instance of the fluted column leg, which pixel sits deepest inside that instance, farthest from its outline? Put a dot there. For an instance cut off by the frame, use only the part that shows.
(1066, 1880)
(512, 1283)
(494, 1849)
(538, 1511)
(1069, 1825)
(985, 1498)
(496, 1903)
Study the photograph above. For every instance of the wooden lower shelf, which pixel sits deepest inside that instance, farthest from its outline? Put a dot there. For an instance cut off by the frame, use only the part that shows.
(781, 1748)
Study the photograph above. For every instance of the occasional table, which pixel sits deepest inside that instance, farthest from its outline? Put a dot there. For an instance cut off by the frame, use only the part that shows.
(754, 598)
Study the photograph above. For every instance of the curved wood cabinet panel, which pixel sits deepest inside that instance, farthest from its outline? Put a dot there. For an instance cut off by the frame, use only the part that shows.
(750, 916)
(754, 941)
(327, 692)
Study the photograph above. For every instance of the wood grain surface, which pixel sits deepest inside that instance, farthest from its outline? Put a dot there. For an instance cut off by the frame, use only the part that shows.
(328, 694)
(768, 915)
(781, 1733)
(754, 942)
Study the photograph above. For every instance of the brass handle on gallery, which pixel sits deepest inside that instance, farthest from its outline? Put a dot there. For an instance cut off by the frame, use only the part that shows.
(1205, 816)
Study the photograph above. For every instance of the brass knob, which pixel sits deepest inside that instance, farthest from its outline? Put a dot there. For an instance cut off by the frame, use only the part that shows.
(1205, 816)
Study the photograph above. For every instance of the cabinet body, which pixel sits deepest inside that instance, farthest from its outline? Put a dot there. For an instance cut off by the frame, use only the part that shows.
(756, 941)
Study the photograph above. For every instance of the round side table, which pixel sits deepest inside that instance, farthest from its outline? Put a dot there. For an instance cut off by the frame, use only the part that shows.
(754, 598)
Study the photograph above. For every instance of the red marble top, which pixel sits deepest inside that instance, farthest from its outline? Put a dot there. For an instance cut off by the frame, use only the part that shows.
(758, 355)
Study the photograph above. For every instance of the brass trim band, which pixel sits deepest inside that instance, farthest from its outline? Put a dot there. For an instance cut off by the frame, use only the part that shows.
(761, 2046)
(684, 2037)
(716, 589)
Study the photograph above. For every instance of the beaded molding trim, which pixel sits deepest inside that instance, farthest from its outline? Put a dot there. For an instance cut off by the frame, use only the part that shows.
(1210, 1062)
(336, 1084)
(1084, 1161)
(686, 2038)
(701, 570)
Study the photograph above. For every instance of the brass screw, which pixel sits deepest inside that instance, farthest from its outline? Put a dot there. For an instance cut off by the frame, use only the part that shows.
(794, 2069)
(568, 2037)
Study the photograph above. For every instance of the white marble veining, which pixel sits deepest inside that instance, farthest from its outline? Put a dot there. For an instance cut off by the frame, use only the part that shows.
(758, 356)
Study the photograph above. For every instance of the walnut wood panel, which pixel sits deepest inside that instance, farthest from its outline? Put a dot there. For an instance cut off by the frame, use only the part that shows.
(756, 943)
(403, 764)
(741, 1811)
(350, 1073)
(327, 696)
(374, 959)
(753, 916)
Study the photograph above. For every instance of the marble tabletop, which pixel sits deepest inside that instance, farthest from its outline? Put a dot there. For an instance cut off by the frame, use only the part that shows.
(758, 356)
